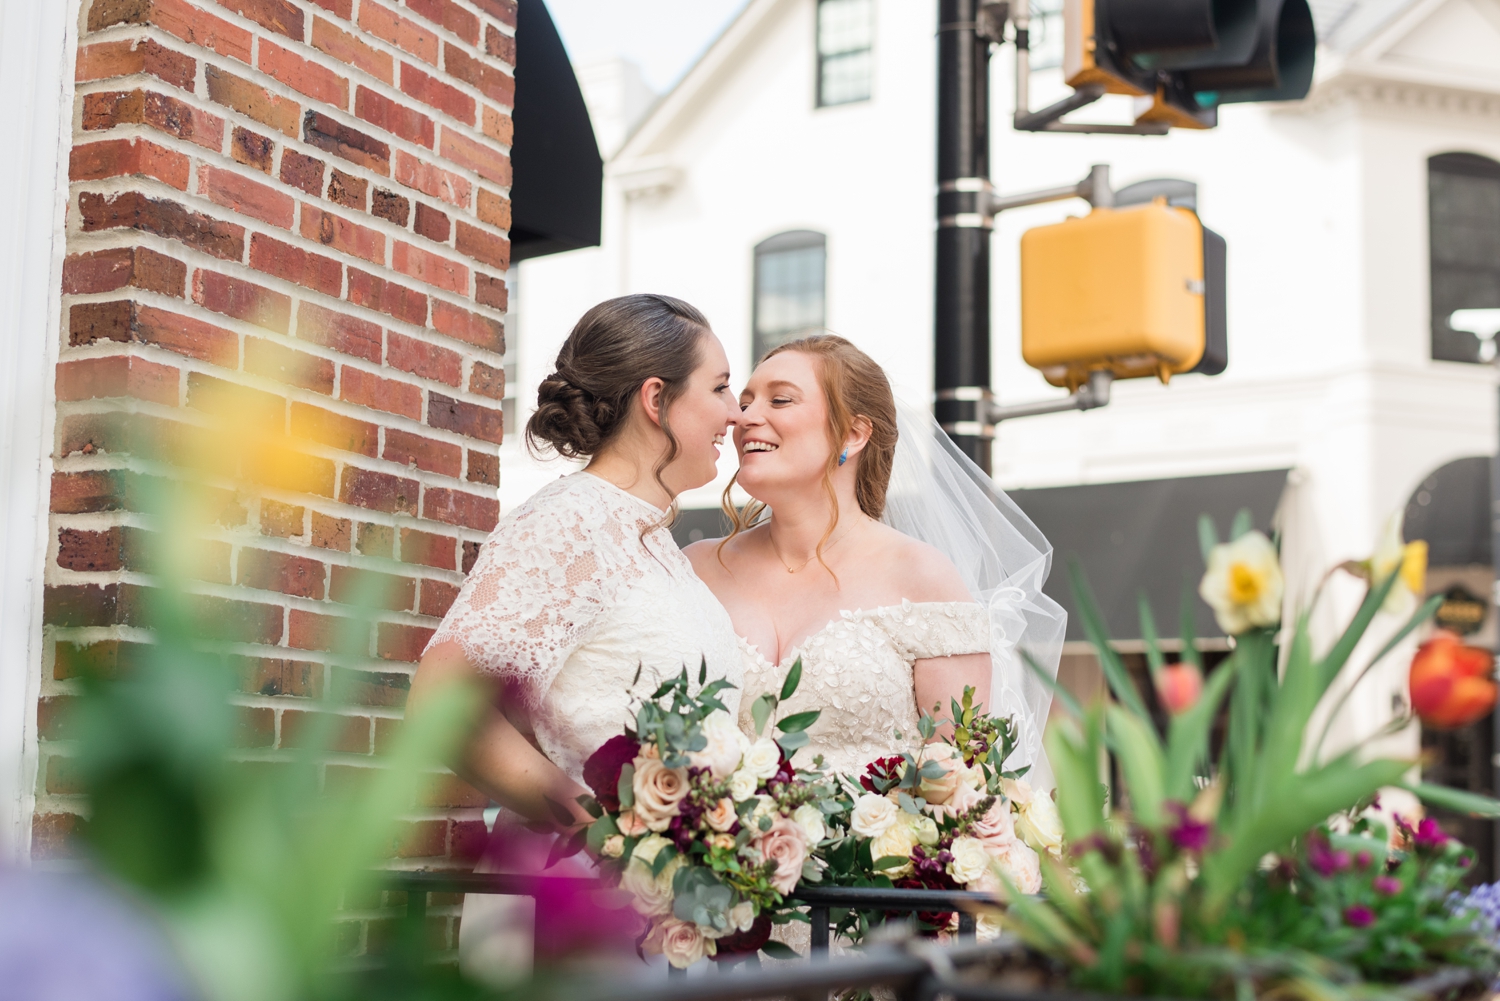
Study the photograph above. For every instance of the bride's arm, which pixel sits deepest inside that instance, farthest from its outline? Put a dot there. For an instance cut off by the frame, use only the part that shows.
(939, 679)
(497, 758)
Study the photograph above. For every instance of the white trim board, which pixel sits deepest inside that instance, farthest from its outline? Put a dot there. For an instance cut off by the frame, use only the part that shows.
(37, 44)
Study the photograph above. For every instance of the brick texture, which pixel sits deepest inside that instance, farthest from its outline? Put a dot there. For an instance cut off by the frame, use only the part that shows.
(290, 216)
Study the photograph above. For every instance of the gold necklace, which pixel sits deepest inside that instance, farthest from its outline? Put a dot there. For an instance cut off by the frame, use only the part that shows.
(804, 563)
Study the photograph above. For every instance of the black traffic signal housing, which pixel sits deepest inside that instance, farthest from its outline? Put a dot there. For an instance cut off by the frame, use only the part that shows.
(1191, 56)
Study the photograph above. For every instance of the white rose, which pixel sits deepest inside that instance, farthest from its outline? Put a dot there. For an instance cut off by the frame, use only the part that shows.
(651, 895)
(971, 776)
(988, 927)
(613, 847)
(897, 840)
(1040, 826)
(810, 819)
(970, 860)
(923, 827)
(873, 815)
(742, 785)
(742, 915)
(722, 755)
(765, 806)
(1023, 867)
(763, 759)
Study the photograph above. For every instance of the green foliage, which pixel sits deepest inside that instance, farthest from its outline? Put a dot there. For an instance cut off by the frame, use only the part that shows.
(1179, 898)
(246, 864)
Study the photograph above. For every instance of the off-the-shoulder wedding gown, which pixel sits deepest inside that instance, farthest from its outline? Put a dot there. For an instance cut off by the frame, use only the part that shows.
(858, 670)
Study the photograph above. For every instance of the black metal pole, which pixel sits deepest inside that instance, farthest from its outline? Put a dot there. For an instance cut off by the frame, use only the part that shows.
(961, 335)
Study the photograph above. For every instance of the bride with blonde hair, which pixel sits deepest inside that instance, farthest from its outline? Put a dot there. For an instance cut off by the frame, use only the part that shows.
(879, 556)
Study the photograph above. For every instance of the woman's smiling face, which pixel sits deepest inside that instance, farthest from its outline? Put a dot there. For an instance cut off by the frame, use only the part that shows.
(782, 431)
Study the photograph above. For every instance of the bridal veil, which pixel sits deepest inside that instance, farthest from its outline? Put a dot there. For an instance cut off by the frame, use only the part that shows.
(939, 496)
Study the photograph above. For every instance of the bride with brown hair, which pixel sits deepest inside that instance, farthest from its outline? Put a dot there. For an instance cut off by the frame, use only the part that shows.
(898, 573)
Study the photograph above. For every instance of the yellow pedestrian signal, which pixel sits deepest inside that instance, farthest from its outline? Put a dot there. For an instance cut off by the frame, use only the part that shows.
(1125, 291)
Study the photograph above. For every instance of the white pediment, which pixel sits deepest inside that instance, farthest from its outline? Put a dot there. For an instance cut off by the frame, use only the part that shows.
(1446, 43)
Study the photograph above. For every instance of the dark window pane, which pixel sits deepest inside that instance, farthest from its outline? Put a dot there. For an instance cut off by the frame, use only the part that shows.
(1464, 243)
(789, 285)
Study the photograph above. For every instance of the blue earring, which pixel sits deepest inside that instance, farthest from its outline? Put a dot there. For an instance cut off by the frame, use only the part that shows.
(844, 457)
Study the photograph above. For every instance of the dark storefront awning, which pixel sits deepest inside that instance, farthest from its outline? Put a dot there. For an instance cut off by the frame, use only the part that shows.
(1449, 509)
(558, 176)
(1143, 536)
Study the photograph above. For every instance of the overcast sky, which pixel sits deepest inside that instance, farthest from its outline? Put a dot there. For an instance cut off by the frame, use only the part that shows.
(663, 37)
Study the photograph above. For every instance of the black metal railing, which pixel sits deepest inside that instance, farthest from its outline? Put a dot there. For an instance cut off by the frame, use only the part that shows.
(821, 901)
(915, 969)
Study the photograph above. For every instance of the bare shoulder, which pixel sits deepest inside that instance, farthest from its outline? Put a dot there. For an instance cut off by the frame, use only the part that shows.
(926, 574)
(709, 559)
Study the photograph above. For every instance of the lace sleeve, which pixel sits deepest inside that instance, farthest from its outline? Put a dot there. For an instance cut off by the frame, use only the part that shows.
(925, 629)
(536, 592)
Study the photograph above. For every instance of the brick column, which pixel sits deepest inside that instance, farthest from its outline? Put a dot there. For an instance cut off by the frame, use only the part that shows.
(299, 207)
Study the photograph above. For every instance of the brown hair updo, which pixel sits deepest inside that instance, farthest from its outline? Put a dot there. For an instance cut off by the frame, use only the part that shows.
(854, 386)
(614, 348)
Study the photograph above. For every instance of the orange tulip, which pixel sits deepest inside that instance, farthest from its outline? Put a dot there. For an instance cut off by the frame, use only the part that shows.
(1451, 684)
(1178, 686)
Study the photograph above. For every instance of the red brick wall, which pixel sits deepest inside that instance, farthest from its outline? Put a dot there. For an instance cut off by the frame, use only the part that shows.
(304, 202)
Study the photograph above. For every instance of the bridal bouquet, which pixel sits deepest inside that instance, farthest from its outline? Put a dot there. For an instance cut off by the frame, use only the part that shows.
(945, 817)
(707, 830)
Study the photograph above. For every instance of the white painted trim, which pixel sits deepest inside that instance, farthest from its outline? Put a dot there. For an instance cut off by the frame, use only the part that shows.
(37, 41)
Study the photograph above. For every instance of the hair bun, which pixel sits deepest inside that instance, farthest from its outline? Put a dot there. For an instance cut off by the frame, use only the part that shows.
(566, 418)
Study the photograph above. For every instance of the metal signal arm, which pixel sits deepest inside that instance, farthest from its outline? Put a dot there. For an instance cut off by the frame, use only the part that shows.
(1048, 119)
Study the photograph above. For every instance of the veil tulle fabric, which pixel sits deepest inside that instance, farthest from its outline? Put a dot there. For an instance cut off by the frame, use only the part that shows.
(939, 496)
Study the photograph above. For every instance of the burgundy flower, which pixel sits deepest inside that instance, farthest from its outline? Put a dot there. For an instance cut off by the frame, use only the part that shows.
(1188, 834)
(1387, 886)
(886, 771)
(1359, 916)
(601, 772)
(743, 943)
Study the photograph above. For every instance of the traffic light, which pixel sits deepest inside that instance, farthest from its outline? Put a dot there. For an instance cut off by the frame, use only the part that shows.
(1135, 291)
(1188, 57)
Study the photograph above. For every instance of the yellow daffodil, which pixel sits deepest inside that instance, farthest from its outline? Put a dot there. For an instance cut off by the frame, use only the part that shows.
(1243, 584)
(1409, 559)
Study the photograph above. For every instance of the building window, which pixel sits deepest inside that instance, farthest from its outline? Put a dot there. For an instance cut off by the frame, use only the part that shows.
(1464, 243)
(789, 283)
(846, 64)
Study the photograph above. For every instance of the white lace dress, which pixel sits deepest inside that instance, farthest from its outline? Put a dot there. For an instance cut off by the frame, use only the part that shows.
(858, 670)
(575, 591)
(568, 599)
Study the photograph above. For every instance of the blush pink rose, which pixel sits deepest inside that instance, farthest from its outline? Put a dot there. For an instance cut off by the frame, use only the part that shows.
(786, 845)
(997, 828)
(658, 790)
(631, 825)
(722, 817)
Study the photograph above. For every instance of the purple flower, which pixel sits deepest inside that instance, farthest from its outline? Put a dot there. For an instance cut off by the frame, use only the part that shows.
(1387, 886)
(1359, 916)
(1429, 834)
(1188, 834)
(1324, 858)
(1363, 860)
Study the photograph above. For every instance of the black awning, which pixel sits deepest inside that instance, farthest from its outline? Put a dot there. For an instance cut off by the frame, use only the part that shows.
(558, 176)
(1449, 510)
(1143, 536)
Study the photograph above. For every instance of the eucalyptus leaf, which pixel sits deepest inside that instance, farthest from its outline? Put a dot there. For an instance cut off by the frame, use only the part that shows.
(780, 950)
(760, 711)
(625, 788)
(890, 862)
